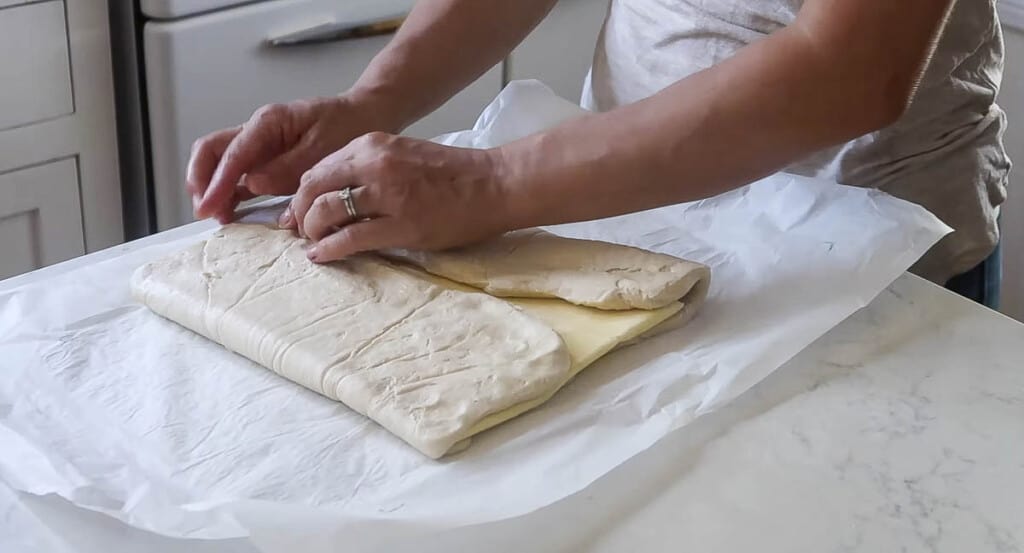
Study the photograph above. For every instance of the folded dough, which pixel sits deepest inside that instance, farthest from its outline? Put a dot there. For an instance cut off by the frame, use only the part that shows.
(424, 361)
(431, 360)
(535, 263)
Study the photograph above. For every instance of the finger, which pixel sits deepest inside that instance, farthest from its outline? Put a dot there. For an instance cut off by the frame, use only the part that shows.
(329, 213)
(329, 174)
(280, 176)
(258, 141)
(206, 154)
(364, 236)
(227, 214)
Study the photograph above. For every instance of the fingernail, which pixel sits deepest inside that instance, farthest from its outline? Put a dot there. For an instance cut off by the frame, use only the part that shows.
(285, 220)
(312, 253)
(196, 198)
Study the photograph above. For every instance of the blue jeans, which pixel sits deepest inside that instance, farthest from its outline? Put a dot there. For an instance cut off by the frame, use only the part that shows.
(981, 283)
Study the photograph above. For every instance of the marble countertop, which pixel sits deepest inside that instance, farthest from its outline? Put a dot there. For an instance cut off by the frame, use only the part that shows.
(902, 429)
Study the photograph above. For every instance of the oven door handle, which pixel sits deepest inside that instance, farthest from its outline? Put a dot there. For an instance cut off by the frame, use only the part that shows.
(332, 31)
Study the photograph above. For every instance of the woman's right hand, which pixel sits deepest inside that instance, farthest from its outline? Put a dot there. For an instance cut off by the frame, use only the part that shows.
(269, 153)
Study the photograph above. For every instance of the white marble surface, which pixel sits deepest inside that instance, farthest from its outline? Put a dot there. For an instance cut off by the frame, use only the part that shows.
(900, 430)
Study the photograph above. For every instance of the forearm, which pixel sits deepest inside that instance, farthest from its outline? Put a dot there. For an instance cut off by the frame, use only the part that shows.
(443, 46)
(770, 105)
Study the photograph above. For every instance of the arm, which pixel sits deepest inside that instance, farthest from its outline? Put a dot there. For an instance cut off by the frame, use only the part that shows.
(843, 69)
(442, 47)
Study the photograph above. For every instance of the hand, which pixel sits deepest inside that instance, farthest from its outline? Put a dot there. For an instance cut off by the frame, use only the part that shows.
(269, 153)
(408, 193)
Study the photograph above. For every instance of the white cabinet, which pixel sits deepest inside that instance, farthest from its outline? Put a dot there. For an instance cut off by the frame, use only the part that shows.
(36, 86)
(40, 217)
(560, 50)
(59, 187)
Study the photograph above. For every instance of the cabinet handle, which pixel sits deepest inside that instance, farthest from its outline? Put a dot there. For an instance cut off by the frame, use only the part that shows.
(332, 31)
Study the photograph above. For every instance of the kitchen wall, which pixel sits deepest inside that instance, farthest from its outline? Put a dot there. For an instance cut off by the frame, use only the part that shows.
(1012, 100)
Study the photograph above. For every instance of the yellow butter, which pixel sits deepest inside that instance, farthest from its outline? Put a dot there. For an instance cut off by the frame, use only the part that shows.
(588, 334)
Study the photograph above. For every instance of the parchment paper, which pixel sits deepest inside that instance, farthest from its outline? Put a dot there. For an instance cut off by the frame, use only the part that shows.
(122, 412)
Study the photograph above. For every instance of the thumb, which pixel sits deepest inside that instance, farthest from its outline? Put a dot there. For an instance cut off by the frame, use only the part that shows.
(364, 236)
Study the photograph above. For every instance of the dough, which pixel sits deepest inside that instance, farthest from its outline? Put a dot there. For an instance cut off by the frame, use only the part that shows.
(433, 361)
(535, 263)
(426, 362)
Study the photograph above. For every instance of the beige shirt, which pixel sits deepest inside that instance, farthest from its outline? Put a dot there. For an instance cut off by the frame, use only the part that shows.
(945, 153)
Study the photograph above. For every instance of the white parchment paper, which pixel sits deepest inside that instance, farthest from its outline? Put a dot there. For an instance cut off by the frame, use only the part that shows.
(122, 412)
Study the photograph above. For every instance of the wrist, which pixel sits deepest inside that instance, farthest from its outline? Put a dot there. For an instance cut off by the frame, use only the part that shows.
(381, 108)
(509, 198)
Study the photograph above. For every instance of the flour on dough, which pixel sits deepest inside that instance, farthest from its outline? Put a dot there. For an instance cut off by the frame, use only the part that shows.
(426, 362)
(535, 263)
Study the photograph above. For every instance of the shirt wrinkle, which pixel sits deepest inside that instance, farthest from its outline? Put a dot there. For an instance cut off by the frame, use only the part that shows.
(946, 152)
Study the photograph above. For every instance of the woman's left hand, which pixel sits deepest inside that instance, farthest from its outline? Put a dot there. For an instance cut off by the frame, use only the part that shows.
(407, 193)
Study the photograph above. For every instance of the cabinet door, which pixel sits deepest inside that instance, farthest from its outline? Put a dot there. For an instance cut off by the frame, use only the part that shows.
(45, 130)
(36, 85)
(560, 50)
(40, 217)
